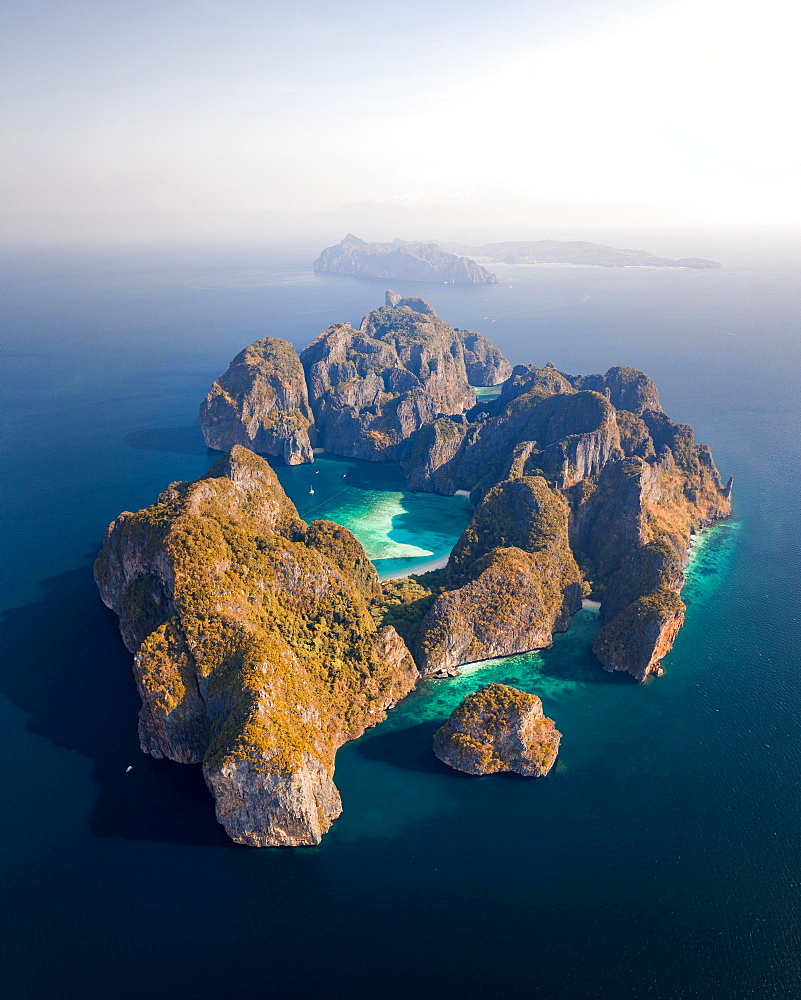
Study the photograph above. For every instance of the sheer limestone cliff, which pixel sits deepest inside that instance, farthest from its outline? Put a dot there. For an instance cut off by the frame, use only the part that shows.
(499, 728)
(372, 388)
(255, 651)
(363, 393)
(512, 581)
(636, 485)
(261, 402)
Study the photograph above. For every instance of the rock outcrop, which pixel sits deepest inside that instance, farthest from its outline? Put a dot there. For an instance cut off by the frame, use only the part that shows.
(512, 581)
(483, 361)
(261, 402)
(255, 651)
(636, 638)
(357, 393)
(400, 261)
(372, 388)
(499, 728)
(571, 435)
(637, 486)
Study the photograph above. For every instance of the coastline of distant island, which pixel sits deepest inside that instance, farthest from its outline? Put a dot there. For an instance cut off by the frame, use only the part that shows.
(455, 263)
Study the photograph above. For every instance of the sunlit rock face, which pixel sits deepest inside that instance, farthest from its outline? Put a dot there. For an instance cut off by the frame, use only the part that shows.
(255, 649)
(512, 580)
(499, 728)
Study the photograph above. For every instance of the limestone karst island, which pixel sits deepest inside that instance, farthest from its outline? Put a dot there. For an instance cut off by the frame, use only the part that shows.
(262, 643)
(453, 263)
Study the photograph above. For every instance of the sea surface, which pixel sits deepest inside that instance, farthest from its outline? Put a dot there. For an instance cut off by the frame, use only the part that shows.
(660, 859)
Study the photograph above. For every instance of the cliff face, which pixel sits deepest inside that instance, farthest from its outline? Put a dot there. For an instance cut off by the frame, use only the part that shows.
(484, 362)
(499, 728)
(637, 486)
(363, 392)
(255, 650)
(512, 581)
(261, 402)
(571, 435)
(372, 388)
(400, 261)
(636, 639)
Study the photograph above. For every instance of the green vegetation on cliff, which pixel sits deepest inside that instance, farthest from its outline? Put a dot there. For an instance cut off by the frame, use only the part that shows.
(267, 630)
(498, 728)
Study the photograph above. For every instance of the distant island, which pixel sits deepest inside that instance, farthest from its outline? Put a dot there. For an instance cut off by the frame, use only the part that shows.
(400, 261)
(573, 252)
(455, 263)
(262, 643)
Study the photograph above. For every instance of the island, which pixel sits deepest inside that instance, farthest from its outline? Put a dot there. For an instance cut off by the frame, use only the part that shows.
(572, 252)
(255, 650)
(461, 264)
(499, 728)
(400, 261)
(261, 643)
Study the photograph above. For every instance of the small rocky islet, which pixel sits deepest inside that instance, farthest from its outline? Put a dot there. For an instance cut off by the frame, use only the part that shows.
(261, 643)
(499, 728)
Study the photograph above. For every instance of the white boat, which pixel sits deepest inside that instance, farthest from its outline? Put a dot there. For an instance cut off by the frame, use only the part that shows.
(311, 491)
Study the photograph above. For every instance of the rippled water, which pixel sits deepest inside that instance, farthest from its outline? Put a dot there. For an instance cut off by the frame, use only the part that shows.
(659, 859)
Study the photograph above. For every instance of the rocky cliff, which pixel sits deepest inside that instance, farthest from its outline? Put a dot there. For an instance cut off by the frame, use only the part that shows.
(400, 261)
(261, 402)
(512, 581)
(499, 728)
(255, 651)
(360, 392)
(636, 485)
(372, 388)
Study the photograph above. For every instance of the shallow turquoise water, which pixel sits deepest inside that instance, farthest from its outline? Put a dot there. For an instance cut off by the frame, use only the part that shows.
(401, 531)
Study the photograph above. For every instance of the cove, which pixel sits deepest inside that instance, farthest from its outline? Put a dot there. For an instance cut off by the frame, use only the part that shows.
(401, 531)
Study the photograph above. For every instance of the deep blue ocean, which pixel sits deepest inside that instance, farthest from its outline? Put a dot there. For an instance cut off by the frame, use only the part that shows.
(662, 856)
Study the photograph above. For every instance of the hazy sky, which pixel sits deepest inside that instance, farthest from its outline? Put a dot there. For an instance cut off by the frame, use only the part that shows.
(165, 117)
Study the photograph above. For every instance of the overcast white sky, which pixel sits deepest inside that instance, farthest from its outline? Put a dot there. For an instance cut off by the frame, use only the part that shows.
(178, 117)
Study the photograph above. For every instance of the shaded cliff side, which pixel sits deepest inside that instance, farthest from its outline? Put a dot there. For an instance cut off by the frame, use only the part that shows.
(363, 391)
(261, 402)
(372, 388)
(255, 651)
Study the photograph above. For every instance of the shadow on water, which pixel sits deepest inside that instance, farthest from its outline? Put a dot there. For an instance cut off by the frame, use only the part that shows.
(571, 658)
(408, 748)
(176, 440)
(65, 665)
